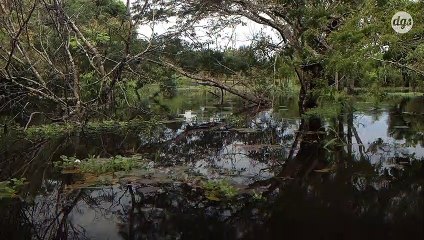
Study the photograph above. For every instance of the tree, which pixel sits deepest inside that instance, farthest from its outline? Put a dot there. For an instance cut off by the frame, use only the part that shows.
(304, 27)
(58, 51)
(376, 54)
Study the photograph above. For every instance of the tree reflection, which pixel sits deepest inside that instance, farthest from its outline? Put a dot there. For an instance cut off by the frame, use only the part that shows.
(406, 122)
(312, 189)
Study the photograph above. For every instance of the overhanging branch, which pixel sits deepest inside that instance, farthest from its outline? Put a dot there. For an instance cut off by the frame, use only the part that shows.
(400, 65)
(208, 81)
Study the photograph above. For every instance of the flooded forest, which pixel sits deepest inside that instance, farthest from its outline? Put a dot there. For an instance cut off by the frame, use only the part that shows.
(217, 119)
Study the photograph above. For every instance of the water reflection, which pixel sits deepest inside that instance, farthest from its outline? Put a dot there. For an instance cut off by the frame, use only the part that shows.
(360, 175)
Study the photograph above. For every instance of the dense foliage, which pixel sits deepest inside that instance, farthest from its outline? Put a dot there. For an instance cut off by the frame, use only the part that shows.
(84, 58)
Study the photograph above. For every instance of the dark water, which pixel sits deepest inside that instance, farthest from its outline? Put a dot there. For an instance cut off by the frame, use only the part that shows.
(356, 176)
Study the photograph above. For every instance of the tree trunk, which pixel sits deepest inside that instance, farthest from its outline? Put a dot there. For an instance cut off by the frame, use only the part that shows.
(222, 96)
(351, 86)
(349, 133)
(336, 80)
(308, 76)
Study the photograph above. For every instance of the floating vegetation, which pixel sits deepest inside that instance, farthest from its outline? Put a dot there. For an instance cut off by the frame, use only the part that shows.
(96, 171)
(236, 120)
(328, 111)
(117, 126)
(10, 188)
(55, 130)
(257, 196)
(217, 190)
(246, 130)
(100, 165)
(49, 130)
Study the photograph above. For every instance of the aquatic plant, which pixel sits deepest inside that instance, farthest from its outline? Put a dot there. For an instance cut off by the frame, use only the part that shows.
(216, 190)
(49, 130)
(98, 165)
(9, 188)
(236, 120)
(258, 196)
(326, 111)
(55, 130)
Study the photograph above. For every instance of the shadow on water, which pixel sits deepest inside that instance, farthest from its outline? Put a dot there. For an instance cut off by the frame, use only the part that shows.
(357, 176)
